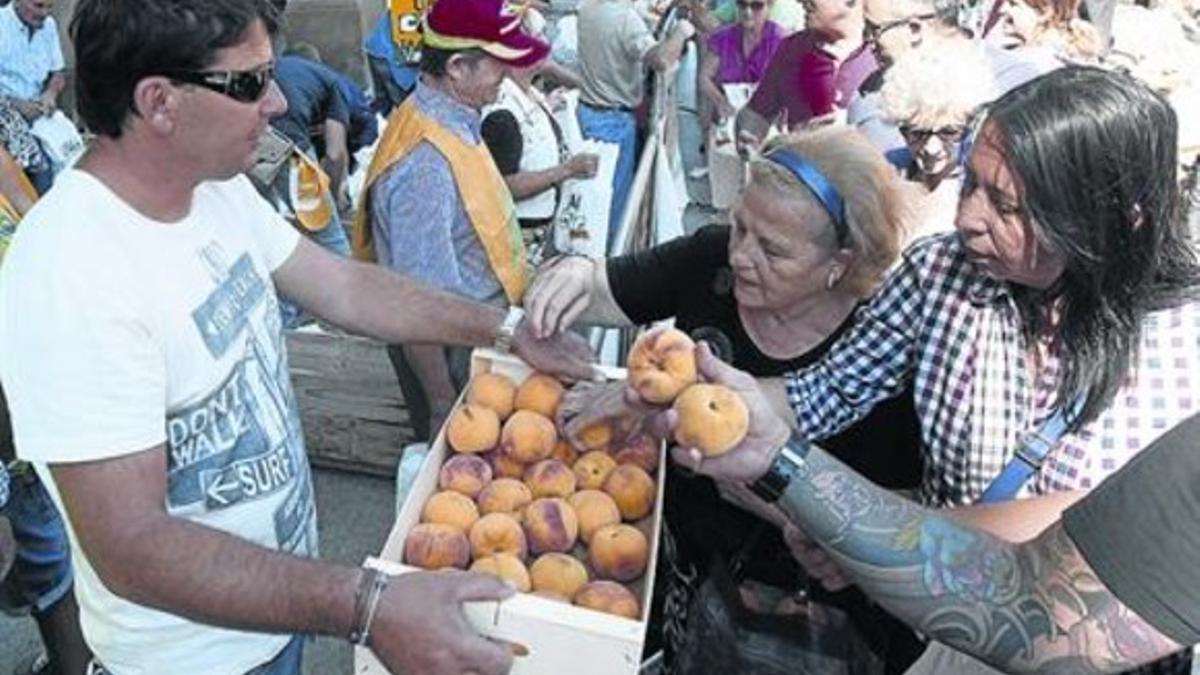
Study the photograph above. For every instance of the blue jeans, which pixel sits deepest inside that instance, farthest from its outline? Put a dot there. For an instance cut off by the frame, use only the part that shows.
(613, 126)
(41, 574)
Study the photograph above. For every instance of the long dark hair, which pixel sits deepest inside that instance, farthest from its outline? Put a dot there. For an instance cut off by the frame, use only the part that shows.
(1094, 154)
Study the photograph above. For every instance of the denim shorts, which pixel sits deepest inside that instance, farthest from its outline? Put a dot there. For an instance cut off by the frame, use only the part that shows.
(41, 574)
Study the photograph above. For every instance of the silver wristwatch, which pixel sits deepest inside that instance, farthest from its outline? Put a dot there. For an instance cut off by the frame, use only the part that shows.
(508, 330)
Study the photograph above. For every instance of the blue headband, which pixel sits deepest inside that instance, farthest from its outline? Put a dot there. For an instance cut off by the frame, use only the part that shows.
(826, 193)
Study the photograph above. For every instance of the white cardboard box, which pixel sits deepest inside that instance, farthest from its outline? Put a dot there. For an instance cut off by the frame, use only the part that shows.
(559, 638)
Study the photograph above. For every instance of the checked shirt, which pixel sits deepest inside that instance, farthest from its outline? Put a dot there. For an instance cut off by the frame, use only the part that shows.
(956, 335)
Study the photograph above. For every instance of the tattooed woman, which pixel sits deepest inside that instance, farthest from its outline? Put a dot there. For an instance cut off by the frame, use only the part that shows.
(1069, 291)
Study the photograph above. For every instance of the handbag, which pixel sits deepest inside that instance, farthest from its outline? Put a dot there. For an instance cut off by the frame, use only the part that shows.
(1027, 460)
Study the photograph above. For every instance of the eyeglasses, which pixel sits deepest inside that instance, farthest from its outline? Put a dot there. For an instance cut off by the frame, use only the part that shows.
(245, 86)
(951, 134)
(873, 31)
(752, 5)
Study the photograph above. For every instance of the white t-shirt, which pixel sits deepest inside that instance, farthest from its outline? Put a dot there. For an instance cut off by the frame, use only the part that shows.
(121, 333)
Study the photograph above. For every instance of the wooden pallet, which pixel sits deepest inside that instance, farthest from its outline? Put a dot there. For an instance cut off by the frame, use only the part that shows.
(351, 407)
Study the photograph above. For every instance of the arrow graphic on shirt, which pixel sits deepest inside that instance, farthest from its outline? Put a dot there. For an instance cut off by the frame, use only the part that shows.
(218, 487)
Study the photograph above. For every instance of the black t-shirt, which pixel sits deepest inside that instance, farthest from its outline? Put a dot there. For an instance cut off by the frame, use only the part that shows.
(313, 96)
(502, 135)
(1140, 532)
(690, 279)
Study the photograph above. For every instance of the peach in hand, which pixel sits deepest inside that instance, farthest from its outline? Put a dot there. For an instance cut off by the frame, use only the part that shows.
(712, 418)
(473, 429)
(662, 363)
(434, 546)
(466, 474)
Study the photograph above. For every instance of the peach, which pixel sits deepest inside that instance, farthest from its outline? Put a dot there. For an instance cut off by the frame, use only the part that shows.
(550, 478)
(593, 509)
(551, 595)
(540, 394)
(434, 546)
(619, 552)
(528, 437)
(507, 567)
(550, 525)
(609, 597)
(595, 436)
(712, 418)
(565, 452)
(497, 533)
(662, 363)
(639, 450)
(467, 474)
(632, 489)
(493, 391)
(505, 495)
(558, 573)
(592, 469)
(473, 428)
(504, 466)
(450, 508)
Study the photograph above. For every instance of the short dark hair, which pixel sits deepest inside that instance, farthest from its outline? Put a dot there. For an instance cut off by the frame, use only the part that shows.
(1095, 157)
(434, 59)
(119, 42)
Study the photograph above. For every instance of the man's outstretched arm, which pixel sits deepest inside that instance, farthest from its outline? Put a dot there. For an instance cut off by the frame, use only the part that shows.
(1033, 607)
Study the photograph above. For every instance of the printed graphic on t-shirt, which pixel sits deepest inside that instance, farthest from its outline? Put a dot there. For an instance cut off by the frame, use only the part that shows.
(242, 442)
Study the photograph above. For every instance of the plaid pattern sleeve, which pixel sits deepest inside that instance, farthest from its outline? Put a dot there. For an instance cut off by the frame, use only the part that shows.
(871, 362)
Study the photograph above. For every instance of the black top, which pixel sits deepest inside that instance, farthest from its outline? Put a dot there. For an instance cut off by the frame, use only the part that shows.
(313, 96)
(502, 135)
(1140, 532)
(690, 279)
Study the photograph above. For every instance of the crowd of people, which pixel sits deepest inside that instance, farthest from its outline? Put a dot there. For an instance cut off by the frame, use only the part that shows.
(957, 289)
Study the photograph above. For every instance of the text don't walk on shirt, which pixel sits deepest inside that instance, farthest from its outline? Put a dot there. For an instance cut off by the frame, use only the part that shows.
(122, 334)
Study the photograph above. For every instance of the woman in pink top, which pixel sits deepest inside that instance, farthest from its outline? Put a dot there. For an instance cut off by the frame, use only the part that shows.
(738, 53)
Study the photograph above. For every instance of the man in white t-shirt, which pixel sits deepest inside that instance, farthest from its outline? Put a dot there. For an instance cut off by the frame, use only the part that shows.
(147, 377)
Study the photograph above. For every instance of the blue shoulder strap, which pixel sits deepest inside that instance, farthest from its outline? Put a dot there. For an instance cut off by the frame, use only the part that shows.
(1027, 459)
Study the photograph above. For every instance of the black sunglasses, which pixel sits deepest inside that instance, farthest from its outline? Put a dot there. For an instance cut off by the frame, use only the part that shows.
(950, 134)
(246, 86)
(873, 31)
(755, 5)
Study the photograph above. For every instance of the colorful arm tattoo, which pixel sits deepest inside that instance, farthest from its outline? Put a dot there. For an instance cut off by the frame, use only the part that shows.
(1035, 607)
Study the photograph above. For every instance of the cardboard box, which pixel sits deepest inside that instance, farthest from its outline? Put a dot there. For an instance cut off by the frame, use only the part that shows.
(559, 638)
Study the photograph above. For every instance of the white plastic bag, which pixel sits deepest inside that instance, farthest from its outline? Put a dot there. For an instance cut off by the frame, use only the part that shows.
(59, 138)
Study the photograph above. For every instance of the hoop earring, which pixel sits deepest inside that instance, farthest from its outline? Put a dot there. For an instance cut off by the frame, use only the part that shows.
(835, 276)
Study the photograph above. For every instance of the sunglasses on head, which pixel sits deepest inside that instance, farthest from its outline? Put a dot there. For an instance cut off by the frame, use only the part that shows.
(245, 86)
(753, 5)
(950, 134)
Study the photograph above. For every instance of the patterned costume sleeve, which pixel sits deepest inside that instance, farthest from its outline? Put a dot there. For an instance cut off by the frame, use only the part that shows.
(872, 362)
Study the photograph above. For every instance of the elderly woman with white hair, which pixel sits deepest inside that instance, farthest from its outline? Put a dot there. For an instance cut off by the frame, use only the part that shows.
(931, 94)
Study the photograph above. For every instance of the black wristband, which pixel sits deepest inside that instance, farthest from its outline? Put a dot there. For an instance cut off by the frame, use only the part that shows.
(772, 484)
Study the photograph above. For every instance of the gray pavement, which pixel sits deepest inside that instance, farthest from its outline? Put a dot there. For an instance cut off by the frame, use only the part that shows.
(354, 514)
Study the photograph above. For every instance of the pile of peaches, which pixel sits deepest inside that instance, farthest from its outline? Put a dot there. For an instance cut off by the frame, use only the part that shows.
(518, 502)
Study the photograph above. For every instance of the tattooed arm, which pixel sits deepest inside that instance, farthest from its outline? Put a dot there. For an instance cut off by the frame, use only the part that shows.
(1033, 607)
